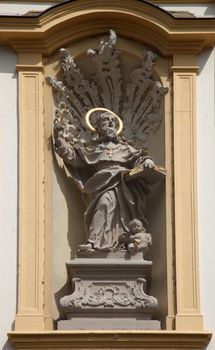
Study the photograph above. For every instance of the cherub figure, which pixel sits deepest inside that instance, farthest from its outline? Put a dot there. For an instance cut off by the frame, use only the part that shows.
(137, 240)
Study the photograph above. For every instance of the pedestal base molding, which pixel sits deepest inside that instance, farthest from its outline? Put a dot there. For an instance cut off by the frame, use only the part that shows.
(108, 294)
(110, 340)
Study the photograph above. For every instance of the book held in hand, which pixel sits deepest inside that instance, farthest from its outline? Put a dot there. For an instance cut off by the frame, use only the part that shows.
(149, 175)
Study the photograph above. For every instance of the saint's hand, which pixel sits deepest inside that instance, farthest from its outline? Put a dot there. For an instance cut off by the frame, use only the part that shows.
(145, 162)
(148, 163)
(57, 132)
(57, 125)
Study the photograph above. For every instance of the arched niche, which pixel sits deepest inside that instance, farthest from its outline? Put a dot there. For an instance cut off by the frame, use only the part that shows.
(68, 207)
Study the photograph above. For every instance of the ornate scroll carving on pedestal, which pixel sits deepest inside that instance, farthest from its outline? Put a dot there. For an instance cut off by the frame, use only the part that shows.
(115, 296)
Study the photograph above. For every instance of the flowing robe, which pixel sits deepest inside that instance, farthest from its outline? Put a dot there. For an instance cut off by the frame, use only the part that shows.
(99, 170)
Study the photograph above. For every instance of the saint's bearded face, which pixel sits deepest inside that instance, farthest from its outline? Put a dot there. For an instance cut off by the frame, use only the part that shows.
(107, 127)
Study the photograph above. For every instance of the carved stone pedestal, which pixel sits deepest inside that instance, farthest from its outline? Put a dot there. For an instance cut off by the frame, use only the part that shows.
(108, 294)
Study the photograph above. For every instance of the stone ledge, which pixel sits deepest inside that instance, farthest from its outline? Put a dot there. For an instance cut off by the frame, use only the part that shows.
(110, 340)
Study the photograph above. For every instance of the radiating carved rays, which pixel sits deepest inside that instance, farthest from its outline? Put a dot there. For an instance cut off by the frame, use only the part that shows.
(139, 103)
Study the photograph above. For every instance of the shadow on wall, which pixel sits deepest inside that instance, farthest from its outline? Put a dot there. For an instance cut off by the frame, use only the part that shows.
(65, 290)
(75, 206)
(203, 59)
(210, 10)
(156, 214)
(8, 346)
(9, 56)
(68, 230)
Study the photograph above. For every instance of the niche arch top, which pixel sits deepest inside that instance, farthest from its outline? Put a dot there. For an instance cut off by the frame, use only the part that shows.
(75, 20)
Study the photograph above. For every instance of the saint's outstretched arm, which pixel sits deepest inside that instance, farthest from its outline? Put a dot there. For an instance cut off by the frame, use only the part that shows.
(66, 150)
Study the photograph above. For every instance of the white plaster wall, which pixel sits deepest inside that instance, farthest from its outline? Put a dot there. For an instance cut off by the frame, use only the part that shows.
(205, 10)
(206, 187)
(13, 8)
(8, 192)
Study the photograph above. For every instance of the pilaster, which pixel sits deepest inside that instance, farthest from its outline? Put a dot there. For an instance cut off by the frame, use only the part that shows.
(185, 202)
(31, 293)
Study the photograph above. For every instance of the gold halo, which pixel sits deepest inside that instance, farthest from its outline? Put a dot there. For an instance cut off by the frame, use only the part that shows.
(87, 118)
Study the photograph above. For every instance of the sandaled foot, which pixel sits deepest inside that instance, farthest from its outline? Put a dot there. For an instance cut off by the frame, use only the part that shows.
(86, 247)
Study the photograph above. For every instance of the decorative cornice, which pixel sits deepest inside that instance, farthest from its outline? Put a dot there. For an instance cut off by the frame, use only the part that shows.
(77, 19)
(110, 339)
(183, 69)
(29, 68)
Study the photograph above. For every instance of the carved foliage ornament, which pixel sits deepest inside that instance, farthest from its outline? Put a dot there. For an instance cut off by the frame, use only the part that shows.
(139, 103)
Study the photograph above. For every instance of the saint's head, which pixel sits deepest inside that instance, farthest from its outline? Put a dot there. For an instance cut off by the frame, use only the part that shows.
(106, 126)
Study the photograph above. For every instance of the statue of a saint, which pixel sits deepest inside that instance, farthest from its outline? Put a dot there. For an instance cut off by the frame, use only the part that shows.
(99, 167)
(113, 173)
